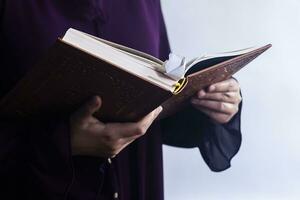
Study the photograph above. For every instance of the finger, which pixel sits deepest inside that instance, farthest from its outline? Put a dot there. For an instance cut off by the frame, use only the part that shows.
(145, 123)
(148, 119)
(201, 93)
(133, 130)
(89, 108)
(229, 97)
(126, 133)
(216, 116)
(217, 106)
(229, 85)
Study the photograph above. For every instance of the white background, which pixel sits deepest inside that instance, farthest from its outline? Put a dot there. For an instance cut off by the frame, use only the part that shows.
(268, 164)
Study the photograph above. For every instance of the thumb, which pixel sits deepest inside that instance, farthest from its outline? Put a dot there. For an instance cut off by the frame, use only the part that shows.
(89, 108)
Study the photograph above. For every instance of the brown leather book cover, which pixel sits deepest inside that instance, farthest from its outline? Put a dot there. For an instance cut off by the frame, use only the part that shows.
(67, 77)
(208, 76)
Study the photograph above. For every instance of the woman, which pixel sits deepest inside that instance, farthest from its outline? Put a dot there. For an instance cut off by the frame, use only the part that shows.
(69, 157)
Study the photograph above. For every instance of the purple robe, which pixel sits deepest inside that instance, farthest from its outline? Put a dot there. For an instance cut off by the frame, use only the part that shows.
(35, 158)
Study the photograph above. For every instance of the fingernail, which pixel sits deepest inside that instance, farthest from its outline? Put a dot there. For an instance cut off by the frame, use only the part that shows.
(159, 109)
(212, 88)
(201, 93)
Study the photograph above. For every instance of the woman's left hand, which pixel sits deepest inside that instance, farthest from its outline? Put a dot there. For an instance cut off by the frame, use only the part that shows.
(220, 101)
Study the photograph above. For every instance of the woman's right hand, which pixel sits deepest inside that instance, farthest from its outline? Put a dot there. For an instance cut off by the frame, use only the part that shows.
(89, 136)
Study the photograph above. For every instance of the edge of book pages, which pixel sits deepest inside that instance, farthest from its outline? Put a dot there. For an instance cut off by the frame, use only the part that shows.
(139, 67)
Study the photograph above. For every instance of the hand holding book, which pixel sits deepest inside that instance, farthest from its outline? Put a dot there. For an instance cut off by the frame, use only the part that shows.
(219, 101)
(90, 136)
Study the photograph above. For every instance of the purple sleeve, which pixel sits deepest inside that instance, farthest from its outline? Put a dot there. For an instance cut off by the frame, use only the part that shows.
(217, 143)
(11, 150)
(37, 157)
(1, 9)
(190, 128)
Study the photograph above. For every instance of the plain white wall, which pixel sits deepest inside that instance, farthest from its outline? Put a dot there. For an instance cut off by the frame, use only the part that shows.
(268, 164)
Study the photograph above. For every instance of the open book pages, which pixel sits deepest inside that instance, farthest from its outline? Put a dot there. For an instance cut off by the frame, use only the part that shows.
(176, 66)
(137, 63)
(163, 74)
(196, 60)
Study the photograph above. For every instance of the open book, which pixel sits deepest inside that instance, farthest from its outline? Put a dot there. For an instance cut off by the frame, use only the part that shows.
(130, 83)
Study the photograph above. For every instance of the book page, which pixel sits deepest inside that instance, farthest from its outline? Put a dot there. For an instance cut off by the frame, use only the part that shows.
(215, 58)
(130, 51)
